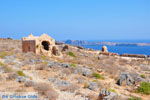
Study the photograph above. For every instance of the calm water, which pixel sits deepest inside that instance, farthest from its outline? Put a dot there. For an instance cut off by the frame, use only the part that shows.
(124, 49)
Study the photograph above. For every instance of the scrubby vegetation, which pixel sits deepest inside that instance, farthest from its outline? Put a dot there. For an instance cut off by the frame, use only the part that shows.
(5, 68)
(2, 64)
(20, 73)
(112, 90)
(134, 98)
(71, 54)
(73, 65)
(4, 54)
(143, 76)
(98, 76)
(144, 88)
(46, 90)
(80, 74)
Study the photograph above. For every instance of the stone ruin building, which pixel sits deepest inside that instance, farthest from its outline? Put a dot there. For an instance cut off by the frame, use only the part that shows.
(104, 49)
(43, 44)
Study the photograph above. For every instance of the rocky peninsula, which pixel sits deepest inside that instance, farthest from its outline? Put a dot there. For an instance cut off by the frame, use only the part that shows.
(82, 42)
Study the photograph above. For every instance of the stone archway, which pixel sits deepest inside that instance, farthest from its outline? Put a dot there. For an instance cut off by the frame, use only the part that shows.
(45, 45)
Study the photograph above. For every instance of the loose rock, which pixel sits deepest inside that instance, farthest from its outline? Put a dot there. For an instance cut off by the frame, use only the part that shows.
(106, 95)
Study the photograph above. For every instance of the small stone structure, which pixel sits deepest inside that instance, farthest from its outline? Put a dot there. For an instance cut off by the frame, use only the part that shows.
(43, 44)
(104, 49)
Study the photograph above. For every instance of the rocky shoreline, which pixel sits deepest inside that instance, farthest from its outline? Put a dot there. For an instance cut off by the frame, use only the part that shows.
(81, 42)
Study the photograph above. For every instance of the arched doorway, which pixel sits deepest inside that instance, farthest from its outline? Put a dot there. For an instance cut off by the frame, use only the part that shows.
(45, 45)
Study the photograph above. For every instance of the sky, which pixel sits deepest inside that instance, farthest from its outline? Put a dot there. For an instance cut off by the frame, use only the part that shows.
(76, 19)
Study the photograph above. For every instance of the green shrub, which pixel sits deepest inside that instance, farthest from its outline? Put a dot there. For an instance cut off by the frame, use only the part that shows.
(2, 64)
(71, 54)
(20, 73)
(45, 62)
(3, 54)
(6, 68)
(143, 76)
(134, 98)
(112, 90)
(95, 81)
(98, 76)
(73, 65)
(43, 57)
(144, 88)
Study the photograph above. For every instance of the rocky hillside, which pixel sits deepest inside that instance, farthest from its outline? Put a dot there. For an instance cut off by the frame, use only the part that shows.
(80, 74)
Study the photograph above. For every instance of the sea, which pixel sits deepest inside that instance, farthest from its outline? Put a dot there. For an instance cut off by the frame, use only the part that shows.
(124, 49)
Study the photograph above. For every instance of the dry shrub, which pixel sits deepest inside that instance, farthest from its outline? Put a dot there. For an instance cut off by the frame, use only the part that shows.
(70, 88)
(46, 90)
(7, 44)
(41, 67)
(92, 97)
(29, 83)
(66, 71)
(42, 87)
(12, 76)
(20, 89)
(1, 78)
(52, 95)
(113, 66)
(144, 67)
(123, 62)
(7, 69)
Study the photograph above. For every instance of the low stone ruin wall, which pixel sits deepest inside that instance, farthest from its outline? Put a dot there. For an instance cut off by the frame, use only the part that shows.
(134, 55)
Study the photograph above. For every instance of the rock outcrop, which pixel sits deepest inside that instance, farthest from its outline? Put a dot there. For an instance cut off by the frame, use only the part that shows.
(127, 78)
(106, 95)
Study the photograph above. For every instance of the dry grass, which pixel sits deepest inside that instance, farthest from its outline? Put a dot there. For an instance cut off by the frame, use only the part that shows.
(110, 67)
(41, 67)
(29, 84)
(70, 88)
(46, 90)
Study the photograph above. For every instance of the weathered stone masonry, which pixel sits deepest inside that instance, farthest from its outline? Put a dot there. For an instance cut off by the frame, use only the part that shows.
(43, 44)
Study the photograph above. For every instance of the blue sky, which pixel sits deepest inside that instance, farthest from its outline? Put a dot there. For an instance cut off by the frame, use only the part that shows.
(76, 19)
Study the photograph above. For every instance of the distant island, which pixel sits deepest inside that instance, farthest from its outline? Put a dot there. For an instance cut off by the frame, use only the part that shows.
(83, 42)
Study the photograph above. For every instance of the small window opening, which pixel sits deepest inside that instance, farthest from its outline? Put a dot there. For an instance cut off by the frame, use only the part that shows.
(45, 45)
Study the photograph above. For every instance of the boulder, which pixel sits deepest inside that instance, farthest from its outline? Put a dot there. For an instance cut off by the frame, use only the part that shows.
(65, 65)
(84, 71)
(59, 82)
(20, 79)
(107, 95)
(93, 86)
(125, 77)
(51, 64)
